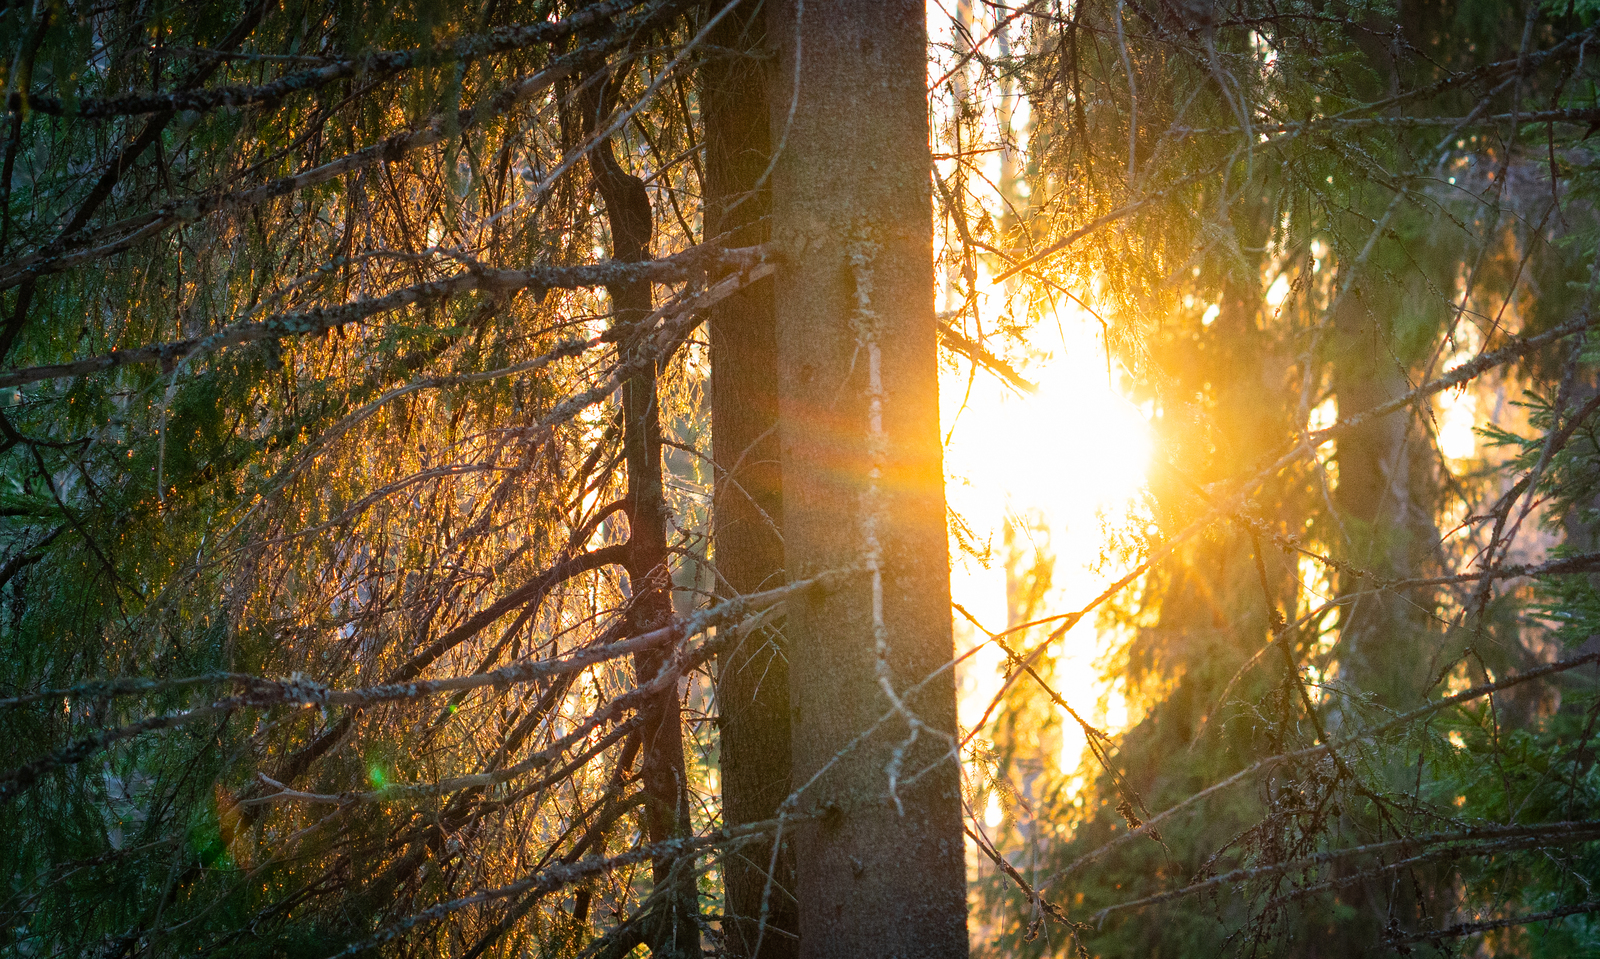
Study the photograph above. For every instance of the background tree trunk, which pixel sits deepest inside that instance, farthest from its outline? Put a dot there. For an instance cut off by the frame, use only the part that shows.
(672, 931)
(753, 678)
(1384, 500)
(852, 216)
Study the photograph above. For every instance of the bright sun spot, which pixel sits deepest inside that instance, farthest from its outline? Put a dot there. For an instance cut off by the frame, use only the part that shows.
(1278, 291)
(1323, 415)
(1062, 463)
(995, 814)
(1458, 417)
(1458, 409)
(1036, 479)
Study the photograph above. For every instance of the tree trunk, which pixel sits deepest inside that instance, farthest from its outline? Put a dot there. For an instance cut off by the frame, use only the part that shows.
(1384, 500)
(752, 678)
(672, 930)
(1387, 647)
(880, 871)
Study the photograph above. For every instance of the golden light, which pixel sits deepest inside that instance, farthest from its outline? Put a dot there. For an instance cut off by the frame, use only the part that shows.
(1059, 466)
(1055, 467)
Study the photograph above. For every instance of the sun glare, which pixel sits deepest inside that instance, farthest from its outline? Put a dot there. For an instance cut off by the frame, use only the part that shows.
(1033, 480)
(1060, 465)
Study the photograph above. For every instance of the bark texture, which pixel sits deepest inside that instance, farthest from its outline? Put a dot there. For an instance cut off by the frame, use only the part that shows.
(753, 678)
(671, 929)
(852, 218)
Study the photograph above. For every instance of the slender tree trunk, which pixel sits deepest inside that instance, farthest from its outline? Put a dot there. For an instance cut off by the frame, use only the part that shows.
(1387, 647)
(880, 871)
(1384, 500)
(672, 931)
(753, 678)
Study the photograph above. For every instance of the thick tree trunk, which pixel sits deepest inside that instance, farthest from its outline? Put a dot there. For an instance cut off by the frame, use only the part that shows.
(880, 871)
(672, 931)
(753, 678)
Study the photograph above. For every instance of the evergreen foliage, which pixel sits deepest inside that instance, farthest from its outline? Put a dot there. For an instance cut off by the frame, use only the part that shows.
(1289, 216)
(357, 585)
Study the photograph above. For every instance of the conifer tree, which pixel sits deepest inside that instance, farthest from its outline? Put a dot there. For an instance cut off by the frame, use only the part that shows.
(471, 478)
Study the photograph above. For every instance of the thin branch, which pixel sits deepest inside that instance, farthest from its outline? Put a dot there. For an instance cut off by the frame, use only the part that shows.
(1476, 692)
(500, 40)
(677, 268)
(1487, 925)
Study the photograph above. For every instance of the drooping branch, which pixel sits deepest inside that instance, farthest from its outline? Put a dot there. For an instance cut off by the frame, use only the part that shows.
(78, 246)
(1405, 719)
(301, 692)
(1489, 925)
(677, 268)
(501, 40)
(1463, 842)
(562, 875)
(108, 179)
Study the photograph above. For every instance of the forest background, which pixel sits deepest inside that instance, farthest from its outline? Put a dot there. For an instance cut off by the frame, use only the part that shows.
(435, 510)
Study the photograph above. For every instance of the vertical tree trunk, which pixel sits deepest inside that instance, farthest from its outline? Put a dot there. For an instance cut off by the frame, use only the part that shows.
(880, 872)
(672, 931)
(752, 678)
(1384, 501)
(1387, 648)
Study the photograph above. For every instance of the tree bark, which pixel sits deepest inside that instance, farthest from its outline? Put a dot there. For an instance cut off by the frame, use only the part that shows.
(880, 871)
(672, 930)
(747, 504)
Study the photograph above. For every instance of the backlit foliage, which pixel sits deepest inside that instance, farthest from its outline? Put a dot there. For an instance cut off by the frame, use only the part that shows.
(315, 505)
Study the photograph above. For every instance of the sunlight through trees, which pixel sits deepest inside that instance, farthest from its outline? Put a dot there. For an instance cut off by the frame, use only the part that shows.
(799, 478)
